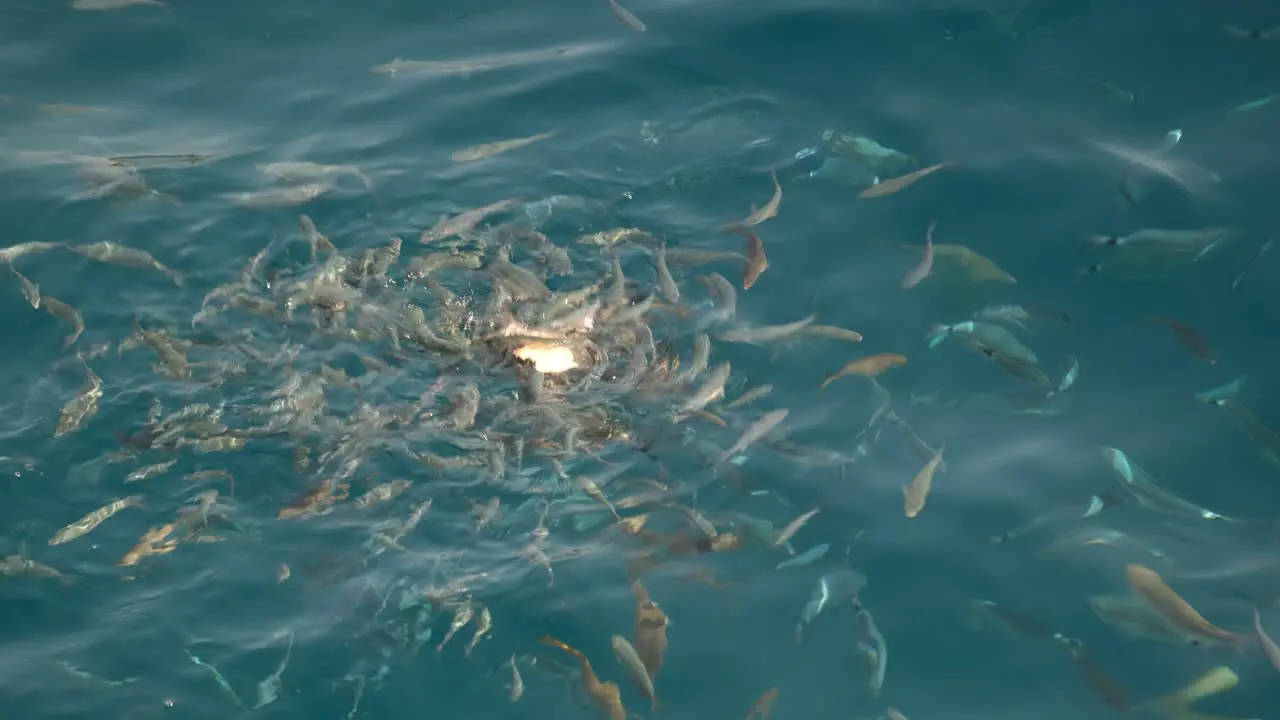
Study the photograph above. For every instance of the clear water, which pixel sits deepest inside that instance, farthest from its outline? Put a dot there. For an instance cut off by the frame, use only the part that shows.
(674, 130)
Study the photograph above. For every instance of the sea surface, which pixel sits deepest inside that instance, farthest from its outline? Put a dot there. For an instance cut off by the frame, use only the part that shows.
(1056, 118)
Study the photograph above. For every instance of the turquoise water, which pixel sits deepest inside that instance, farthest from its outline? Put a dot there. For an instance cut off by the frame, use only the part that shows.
(674, 131)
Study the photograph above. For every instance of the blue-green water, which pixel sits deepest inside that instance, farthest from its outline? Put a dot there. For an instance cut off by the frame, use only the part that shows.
(674, 130)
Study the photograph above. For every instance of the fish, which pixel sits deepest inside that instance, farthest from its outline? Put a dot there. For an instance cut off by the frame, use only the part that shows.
(1068, 379)
(1016, 620)
(97, 5)
(625, 17)
(832, 333)
(487, 150)
(158, 159)
(921, 271)
(30, 290)
(630, 661)
(769, 210)
(484, 626)
(124, 256)
(670, 290)
(81, 407)
(147, 472)
(757, 262)
(755, 431)
(606, 695)
(1148, 585)
(463, 223)
(806, 558)
(766, 333)
(1103, 536)
(86, 524)
(833, 587)
(303, 171)
(517, 682)
(1102, 685)
(1253, 259)
(650, 633)
(1265, 438)
(785, 534)
(749, 397)
(1176, 704)
(1268, 645)
(1148, 493)
(1253, 104)
(462, 614)
(63, 311)
(763, 708)
(1188, 336)
(893, 185)
(917, 492)
(871, 367)
(872, 648)
(1228, 391)
(1137, 620)
(1070, 512)
(278, 197)
(269, 687)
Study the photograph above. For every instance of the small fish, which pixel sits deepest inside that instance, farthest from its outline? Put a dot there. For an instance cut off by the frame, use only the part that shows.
(763, 708)
(484, 626)
(1016, 620)
(1253, 104)
(806, 558)
(279, 196)
(670, 290)
(871, 366)
(517, 682)
(1098, 680)
(893, 185)
(917, 492)
(113, 4)
(63, 311)
(766, 333)
(749, 397)
(769, 210)
(757, 261)
(270, 686)
(755, 431)
(81, 407)
(606, 695)
(147, 472)
(86, 524)
(785, 534)
(114, 254)
(480, 152)
(872, 647)
(1188, 336)
(833, 333)
(921, 271)
(283, 573)
(630, 661)
(650, 632)
(462, 615)
(1269, 647)
(1148, 585)
(626, 18)
(1257, 254)
(30, 290)
(1069, 379)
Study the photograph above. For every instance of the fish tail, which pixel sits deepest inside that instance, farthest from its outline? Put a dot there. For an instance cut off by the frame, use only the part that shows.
(1240, 643)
